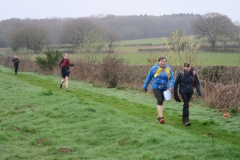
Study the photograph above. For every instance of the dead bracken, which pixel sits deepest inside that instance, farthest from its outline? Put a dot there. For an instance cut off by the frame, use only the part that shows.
(66, 150)
(44, 141)
(13, 128)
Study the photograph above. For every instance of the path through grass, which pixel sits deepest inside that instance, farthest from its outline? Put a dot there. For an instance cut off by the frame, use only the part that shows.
(41, 121)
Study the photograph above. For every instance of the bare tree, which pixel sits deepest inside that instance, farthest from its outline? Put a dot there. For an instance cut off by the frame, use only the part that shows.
(75, 31)
(112, 37)
(211, 26)
(30, 36)
(93, 42)
(236, 33)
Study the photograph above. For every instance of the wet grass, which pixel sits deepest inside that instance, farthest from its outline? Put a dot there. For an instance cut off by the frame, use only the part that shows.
(41, 121)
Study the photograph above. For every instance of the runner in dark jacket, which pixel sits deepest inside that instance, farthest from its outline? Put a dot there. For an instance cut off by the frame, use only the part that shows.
(15, 61)
(65, 70)
(186, 80)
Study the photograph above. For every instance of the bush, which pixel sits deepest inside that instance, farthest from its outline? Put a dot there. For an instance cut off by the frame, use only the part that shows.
(221, 74)
(50, 61)
(111, 66)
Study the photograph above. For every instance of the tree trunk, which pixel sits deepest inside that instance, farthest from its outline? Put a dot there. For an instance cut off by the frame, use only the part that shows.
(213, 46)
(223, 46)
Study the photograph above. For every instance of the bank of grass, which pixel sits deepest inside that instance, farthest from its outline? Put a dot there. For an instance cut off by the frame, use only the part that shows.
(38, 120)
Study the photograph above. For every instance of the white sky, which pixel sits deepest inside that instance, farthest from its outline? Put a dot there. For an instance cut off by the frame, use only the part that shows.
(37, 9)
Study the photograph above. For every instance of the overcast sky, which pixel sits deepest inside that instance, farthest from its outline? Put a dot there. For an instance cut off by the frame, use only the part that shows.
(37, 9)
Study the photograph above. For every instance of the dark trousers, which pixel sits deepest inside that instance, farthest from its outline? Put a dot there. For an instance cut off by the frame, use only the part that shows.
(16, 68)
(159, 96)
(186, 98)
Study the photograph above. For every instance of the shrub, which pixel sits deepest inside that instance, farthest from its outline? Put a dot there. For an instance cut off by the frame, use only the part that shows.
(50, 61)
(111, 66)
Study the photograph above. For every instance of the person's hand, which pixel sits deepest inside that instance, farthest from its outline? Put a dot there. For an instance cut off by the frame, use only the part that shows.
(170, 89)
(145, 90)
(177, 98)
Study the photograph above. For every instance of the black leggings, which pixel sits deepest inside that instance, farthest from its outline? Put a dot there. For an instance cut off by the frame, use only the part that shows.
(16, 68)
(159, 96)
(186, 98)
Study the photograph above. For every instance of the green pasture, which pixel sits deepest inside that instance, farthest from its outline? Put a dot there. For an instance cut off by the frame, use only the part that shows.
(131, 54)
(154, 41)
(206, 58)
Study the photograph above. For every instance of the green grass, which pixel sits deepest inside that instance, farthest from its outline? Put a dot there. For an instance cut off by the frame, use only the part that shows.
(154, 41)
(38, 118)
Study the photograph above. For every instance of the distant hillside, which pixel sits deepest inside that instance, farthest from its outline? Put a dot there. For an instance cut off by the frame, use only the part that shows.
(128, 27)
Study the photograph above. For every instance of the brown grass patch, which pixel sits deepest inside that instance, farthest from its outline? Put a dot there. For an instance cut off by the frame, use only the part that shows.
(44, 141)
(66, 150)
(12, 128)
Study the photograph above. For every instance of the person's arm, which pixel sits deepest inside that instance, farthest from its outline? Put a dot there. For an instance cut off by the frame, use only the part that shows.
(70, 63)
(197, 84)
(61, 61)
(171, 84)
(148, 79)
(177, 81)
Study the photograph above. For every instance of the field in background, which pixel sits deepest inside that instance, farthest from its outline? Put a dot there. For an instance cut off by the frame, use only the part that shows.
(154, 41)
(208, 58)
(129, 50)
(131, 54)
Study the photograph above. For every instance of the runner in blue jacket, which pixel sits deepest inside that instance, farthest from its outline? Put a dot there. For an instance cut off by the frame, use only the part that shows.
(162, 78)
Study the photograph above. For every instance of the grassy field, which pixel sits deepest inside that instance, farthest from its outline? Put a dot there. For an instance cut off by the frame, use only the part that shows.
(132, 55)
(154, 41)
(40, 121)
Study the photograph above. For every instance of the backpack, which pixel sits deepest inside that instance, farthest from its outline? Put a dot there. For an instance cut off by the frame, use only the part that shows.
(193, 84)
(64, 63)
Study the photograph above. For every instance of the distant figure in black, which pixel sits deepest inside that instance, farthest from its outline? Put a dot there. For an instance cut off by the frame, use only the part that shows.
(15, 61)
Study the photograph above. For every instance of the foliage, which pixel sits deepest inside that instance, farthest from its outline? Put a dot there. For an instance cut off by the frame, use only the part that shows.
(236, 33)
(213, 73)
(93, 42)
(50, 60)
(24, 51)
(111, 68)
(76, 31)
(182, 49)
(212, 26)
(30, 36)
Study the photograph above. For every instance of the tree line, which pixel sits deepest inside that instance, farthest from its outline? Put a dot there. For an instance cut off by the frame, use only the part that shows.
(92, 34)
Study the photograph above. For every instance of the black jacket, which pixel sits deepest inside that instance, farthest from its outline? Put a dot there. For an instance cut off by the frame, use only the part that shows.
(16, 61)
(185, 83)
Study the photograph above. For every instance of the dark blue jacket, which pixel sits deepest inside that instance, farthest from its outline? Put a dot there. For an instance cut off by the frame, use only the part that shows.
(185, 83)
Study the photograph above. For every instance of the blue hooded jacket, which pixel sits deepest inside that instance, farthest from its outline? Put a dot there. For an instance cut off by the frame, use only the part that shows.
(161, 81)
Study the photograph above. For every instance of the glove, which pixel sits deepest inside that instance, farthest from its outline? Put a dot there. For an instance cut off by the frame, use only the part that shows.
(177, 98)
(71, 64)
(145, 90)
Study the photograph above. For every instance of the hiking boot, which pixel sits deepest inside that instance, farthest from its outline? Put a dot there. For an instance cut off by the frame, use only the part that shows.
(67, 90)
(187, 123)
(60, 85)
(160, 120)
